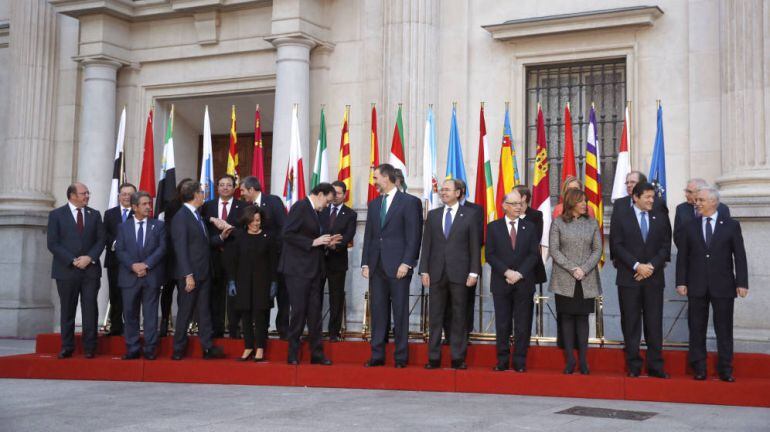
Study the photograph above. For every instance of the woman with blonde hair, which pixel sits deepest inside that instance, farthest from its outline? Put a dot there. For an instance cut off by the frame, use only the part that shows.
(571, 182)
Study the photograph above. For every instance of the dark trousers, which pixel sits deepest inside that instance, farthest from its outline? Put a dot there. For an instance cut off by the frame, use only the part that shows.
(447, 295)
(697, 321)
(574, 331)
(515, 305)
(306, 296)
(255, 323)
(146, 298)
(116, 301)
(642, 304)
(69, 290)
(389, 294)
(234, 318)
(166, 299)
(336, 301)
(284, 306)
(218, 303)
(187, 304)
(470, 310)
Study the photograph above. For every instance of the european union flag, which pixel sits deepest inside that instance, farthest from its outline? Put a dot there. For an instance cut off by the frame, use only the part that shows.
(658, 167)
(455, 167)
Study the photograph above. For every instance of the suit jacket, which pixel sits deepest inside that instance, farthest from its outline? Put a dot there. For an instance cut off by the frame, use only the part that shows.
(623, 205)
(276, 216)
(716, 269)
(112, 220)
(626, 240)
(397, 240)
(66, 243)
(502, 257)
(153, 253)
(459, 254)
(192, 245)
(298, 255)
(575, 244)
(685, 212)
(211, 209)
(536, 217)
(481, 218)
(172, 208)
(345, 224)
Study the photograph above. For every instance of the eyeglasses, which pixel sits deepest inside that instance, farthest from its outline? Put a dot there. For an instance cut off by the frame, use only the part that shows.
(514, 204)
(446, 190)
(86, 193)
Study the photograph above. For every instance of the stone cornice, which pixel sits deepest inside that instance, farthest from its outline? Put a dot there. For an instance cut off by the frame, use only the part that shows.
(630, 17)
(139, 10)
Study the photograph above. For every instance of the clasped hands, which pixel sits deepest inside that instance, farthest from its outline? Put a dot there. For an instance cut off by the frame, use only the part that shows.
(328, 240)
(643, 271)
(512, 276)
(223, 226)
(82, 262)
(140, 269)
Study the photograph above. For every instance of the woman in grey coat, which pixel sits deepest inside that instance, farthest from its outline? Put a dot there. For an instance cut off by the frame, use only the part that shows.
(575, 246)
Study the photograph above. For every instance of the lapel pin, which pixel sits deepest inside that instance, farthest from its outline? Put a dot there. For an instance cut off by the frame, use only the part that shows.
(523, 227)
(721, 222)
(653, 218)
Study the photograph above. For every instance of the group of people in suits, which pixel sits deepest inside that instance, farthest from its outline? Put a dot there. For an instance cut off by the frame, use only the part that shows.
(232, 259)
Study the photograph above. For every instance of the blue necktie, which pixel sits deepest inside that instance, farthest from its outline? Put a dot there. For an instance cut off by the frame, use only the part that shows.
(709, 231)
(203, 226)
(140, 239)
(645, 228)
(447, 222)
(125, 214)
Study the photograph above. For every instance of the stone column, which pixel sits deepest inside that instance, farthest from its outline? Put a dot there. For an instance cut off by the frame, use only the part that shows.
(97, 130)
(292, 86)
(410, 64)
(26, 171)
(745, 139)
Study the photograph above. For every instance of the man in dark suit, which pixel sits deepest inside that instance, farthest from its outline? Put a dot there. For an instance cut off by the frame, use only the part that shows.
(302, 263)
(167, 290)
(112, 219)
(192, 248)
(536, 217)
(337, 219)
(512, 250)
(76, 240)
(140, 248)
(251, 193)
(391, 247)
(686, 211)
(711, 268)
(228, 209)
(642, 243)
(450, 266)
(626, 204)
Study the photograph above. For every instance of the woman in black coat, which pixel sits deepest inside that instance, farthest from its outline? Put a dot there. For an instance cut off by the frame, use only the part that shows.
(250, 265)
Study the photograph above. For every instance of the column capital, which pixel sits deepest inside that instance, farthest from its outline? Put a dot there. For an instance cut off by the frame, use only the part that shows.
(297, 39)
(101, 59)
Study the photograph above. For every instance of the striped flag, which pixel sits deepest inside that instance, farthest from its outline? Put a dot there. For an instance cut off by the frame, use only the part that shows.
(232, 154)
(568, 162)
(429, 175)
(623, 166)
(258, 159)
(118, 168)
(167, 182)
(541, 189)
(594, 176)
(507, 173)
(294, 185)
(374, 157)
(321, 166)
(396, 157)
(343, 173)
(207, 161)
(147, 178)
(485, 194)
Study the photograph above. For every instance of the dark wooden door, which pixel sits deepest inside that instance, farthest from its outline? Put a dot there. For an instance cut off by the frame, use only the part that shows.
(220, 145)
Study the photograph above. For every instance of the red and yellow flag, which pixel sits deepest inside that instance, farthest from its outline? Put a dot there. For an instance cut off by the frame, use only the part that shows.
(541, 190)
(343, 173)
(374, 157)
(258, 159)
(232, 155)
(568, 162)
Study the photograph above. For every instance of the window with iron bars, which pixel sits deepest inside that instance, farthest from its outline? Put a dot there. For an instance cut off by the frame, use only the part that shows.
(602, 83)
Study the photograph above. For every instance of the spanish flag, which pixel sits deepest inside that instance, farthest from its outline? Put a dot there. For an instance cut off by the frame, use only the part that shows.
(374, 157)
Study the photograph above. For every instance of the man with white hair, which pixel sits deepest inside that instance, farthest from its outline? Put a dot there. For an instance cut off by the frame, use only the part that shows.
(686, 211)
(711, 269)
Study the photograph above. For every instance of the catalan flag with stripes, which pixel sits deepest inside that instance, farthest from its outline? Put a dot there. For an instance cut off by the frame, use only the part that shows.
(343, 174)
(232, 154)
(594, 176)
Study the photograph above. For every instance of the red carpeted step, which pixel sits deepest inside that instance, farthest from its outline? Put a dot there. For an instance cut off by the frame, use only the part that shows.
(387, 377)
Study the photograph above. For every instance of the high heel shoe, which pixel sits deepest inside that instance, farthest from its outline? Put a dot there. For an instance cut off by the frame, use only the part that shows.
(247, 354)
(570, 367)
(260, 358)
(584, 369)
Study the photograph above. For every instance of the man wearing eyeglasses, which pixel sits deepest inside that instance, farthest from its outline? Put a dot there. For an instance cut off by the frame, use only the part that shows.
(686, 211)
(512, 252)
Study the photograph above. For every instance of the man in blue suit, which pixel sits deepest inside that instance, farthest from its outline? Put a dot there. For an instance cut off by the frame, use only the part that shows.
(140, 248)
(391, 246)
(76, 240)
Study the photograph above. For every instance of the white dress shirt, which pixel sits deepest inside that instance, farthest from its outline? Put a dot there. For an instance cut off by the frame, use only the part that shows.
(515, 224)
(136, 229)
(74, 211)
(454, 208)
(713, 224)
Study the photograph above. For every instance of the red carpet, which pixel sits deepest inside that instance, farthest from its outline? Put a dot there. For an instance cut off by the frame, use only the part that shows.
(544, 377)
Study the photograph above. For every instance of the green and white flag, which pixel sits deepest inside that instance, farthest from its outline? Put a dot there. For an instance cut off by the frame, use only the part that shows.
(321, 167)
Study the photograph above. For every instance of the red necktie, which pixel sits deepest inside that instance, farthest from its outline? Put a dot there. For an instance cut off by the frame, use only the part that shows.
(333, 217)
(224, 211)
(513, 235)
(80, 221)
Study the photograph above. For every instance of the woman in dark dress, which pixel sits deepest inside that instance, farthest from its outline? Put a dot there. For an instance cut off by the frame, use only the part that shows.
(250, 264)
(576, 248)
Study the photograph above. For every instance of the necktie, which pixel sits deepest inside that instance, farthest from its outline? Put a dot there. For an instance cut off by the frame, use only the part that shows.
(200, 221)
(645, 228)
(224, 211)
(140, 239)
(513, 235)
(383, 210)
(333, 217)
(709, 231)
(80, 221)
(125, 214)
(447, 222)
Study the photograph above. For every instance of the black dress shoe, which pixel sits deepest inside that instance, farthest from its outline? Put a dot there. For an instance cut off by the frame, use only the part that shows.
(727, 378)
(520, 369)
(321, 361)
(90, 354)
(459, 365)
(150, 356)
(177, 356)
(293, 362)
(212, 353)
(500, 367)
(633, 374)
(658, 374)
(400, 365)
(700, 376)
(334, 339)
(569, 368)
(433, 365)
(374, 363)
(130, 356)
(64, 354)
(584, 370)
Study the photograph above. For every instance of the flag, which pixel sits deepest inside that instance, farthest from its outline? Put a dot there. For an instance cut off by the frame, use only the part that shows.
(455, 167)
(507, 172)
(321, 167)
(541, 189)
(658, 167)
(147, 178)
(396, 157)
(207, 161)
(343, 173)
(594, 177)
(232, 154)
(374, 157)
(118, 168)
(623, 167)
(294, 185)
(485, 194)
(568, 161)
(167, 182)
(429, 176)
(258, 159)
